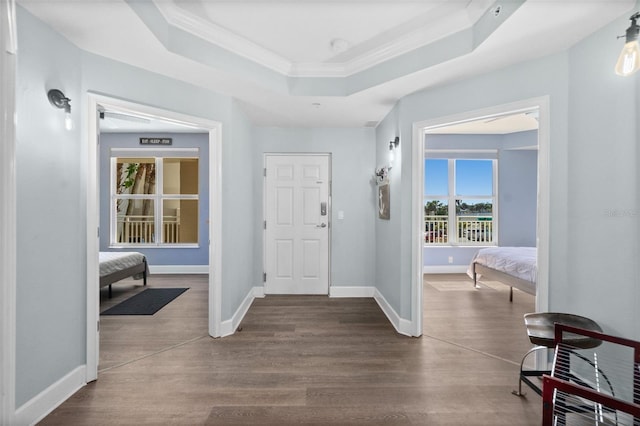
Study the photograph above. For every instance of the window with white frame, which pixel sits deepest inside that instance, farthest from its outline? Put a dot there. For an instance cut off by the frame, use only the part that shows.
(154, 201)
(460, 201)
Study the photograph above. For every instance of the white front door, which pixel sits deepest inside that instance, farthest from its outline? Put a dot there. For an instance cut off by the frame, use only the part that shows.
(297, 224)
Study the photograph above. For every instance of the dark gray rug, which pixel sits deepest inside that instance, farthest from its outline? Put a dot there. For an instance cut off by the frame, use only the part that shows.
(147, 302)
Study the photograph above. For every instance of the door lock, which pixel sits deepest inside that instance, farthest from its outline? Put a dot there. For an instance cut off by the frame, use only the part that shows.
(323, 208)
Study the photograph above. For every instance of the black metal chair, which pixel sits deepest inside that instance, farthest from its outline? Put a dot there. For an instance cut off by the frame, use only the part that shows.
(541, 332)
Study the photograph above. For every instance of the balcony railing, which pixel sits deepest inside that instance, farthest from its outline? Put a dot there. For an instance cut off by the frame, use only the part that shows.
(469, 229)
(141, 229)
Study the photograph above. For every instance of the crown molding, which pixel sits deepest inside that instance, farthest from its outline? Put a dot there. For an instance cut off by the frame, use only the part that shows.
(215, 34)
(428, 28)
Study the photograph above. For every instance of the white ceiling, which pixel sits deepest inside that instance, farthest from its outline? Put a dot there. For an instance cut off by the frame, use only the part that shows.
(324, 63)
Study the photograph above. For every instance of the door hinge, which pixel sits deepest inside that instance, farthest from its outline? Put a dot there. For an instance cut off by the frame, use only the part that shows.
(264, 277)
(265, 224)
(98, 329)
(265, 172)
(98, 232)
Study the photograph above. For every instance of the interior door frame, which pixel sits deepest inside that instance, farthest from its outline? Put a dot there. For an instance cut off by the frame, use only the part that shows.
(214, 128)
(543, 196)
(329, 207)
(8, 217)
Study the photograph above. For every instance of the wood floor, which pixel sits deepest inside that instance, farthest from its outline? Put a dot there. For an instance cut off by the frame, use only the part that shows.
(311, 360)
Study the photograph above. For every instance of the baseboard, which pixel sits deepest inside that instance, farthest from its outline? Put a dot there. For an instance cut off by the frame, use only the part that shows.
(258, 292)
(353, 291)
(445, 269)
(229, 327)
(49, 399)
(401, 325)
(178, 269)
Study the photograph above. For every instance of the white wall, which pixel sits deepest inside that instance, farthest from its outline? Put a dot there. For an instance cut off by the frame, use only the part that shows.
(352, 159)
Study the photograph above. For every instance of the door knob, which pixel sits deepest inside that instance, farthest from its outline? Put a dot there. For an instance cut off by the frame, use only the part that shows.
(322, 225)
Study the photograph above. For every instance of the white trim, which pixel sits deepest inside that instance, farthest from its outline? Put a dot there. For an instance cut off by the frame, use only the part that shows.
(8, 242)
(178, 269)
(258, 292)
(352, 291)
(230, 326)
(417, 222)
(93, 241)
(401, 325)
(445, 269)
(49, 399)
(417, 153)
(215, 211)
(215, 230)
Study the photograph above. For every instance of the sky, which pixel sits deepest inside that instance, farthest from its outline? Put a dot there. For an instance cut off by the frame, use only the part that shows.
(473, 177)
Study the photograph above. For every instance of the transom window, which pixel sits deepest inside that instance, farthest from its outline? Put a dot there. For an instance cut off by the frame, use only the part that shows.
(459, 201)
(154, 201)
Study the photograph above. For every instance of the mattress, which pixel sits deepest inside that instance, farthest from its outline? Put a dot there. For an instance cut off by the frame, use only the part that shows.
(520, 262)
(111, 262)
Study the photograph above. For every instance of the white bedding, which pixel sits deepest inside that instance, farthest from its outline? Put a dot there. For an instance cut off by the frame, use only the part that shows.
(111, 262)
(520, 262)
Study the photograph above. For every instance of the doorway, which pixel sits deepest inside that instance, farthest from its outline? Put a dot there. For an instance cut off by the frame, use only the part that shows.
(541, 105)
(296, 223)
(97, 103)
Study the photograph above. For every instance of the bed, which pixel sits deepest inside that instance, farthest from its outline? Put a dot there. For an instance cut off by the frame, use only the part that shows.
(116, 266)
(512, 266)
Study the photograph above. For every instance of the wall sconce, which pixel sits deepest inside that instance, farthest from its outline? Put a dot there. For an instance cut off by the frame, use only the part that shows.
(59, 100)
(382, 173)
(393, 145)
(629, 60)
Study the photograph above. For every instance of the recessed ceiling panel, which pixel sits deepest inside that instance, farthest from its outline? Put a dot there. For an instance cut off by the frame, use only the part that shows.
(302, 32)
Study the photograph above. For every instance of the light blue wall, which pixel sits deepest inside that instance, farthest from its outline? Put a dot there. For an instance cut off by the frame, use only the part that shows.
(352, 159)
(159, 256)
(602, 255)
(517, 191)
(240, 207)
(546, 76)
(592, 174)
(123, 81)
(51, 238)
(388, 247)
(51, 184)
(593, 184)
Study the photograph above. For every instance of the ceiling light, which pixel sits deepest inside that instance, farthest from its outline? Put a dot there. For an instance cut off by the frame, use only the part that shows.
(629, 60)
(339, 45)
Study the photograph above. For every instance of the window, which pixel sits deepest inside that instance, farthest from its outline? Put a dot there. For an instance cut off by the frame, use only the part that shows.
(154, 201)
(459, 201)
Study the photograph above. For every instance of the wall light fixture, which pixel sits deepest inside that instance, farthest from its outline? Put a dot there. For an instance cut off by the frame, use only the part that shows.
(59, 100)
(393, 145)
(629, 60)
